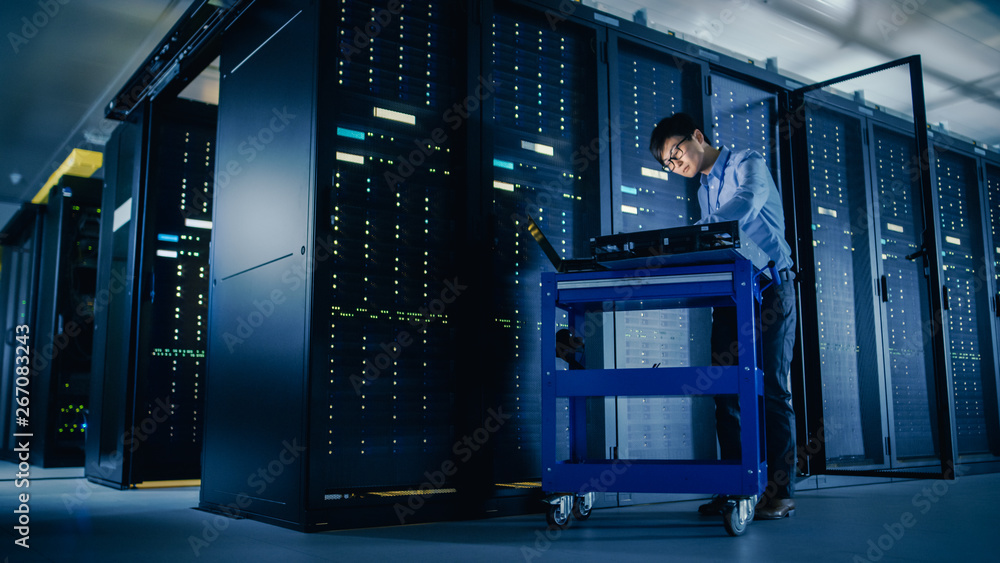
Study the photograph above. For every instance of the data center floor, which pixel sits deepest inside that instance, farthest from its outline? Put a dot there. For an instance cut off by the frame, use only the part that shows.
(74, 520)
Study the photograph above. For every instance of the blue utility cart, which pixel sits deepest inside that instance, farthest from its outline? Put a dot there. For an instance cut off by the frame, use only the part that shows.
(657, 284)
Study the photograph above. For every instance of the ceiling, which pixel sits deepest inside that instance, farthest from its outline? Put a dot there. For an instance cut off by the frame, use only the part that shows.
(958, 42)
(60, 70)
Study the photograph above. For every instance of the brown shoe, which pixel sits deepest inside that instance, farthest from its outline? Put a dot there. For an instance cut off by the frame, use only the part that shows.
(777, 509)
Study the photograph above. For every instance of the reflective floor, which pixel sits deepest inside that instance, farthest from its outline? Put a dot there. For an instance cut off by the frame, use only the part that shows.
(933, 521)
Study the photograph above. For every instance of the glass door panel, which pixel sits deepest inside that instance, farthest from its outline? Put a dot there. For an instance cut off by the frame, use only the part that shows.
(844, 270)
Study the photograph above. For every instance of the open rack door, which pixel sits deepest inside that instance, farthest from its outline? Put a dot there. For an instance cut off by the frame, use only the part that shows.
(874, 305)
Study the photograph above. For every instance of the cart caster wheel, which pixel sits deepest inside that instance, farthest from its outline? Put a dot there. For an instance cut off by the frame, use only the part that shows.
(557, 518)
(582, 506)
(737, 515)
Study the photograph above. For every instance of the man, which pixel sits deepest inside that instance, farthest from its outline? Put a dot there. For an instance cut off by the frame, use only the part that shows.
(737, 186)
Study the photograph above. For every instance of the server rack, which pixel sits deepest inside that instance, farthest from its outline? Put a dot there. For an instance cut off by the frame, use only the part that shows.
(336, 244)
(21, 238)
(324, 157)
(990, 190)
(544, 145)
(960, 173)
(649, 83)
(63, 335)
(151, 313)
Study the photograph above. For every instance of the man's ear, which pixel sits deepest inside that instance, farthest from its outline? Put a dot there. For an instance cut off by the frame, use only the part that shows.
(698, 136)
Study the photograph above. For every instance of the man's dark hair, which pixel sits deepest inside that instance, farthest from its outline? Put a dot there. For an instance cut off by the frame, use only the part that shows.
(677, 125)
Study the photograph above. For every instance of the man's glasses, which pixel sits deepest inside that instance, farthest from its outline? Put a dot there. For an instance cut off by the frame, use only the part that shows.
(675, 156)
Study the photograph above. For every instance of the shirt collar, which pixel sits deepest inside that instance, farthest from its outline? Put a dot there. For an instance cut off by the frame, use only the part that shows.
(718, 168)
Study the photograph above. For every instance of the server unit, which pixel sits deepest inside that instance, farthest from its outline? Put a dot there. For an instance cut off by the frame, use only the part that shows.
(147, 390)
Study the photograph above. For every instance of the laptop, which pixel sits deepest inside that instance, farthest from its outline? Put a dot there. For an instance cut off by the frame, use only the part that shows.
(560, 264)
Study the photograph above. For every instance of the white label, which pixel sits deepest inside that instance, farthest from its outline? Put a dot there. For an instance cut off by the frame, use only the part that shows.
(197, 223)
(122, 215)
(395, 116)
(606, 19)
(650, 173)
(348, 157)
(537, 147)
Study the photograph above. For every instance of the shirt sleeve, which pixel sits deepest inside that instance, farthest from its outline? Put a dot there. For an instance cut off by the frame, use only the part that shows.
(753, 181)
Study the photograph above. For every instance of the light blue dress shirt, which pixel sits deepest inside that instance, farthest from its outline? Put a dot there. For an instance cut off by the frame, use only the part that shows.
(739, 188)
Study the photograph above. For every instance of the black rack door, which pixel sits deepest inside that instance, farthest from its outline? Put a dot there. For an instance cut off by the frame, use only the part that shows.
(845, 326)
(872, 306)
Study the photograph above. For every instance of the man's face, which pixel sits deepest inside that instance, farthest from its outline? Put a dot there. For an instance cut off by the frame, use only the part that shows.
(683, 155)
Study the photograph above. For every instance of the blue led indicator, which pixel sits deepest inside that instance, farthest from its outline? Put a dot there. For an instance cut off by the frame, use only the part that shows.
(351, 133)
(630, 190)
(503, 164)
(168, 238)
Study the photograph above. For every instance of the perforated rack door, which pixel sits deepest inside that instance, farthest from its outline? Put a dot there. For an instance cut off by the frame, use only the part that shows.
(648, 84)
(383, 409)
(878, 404)
(965, 275)
(542, 131)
